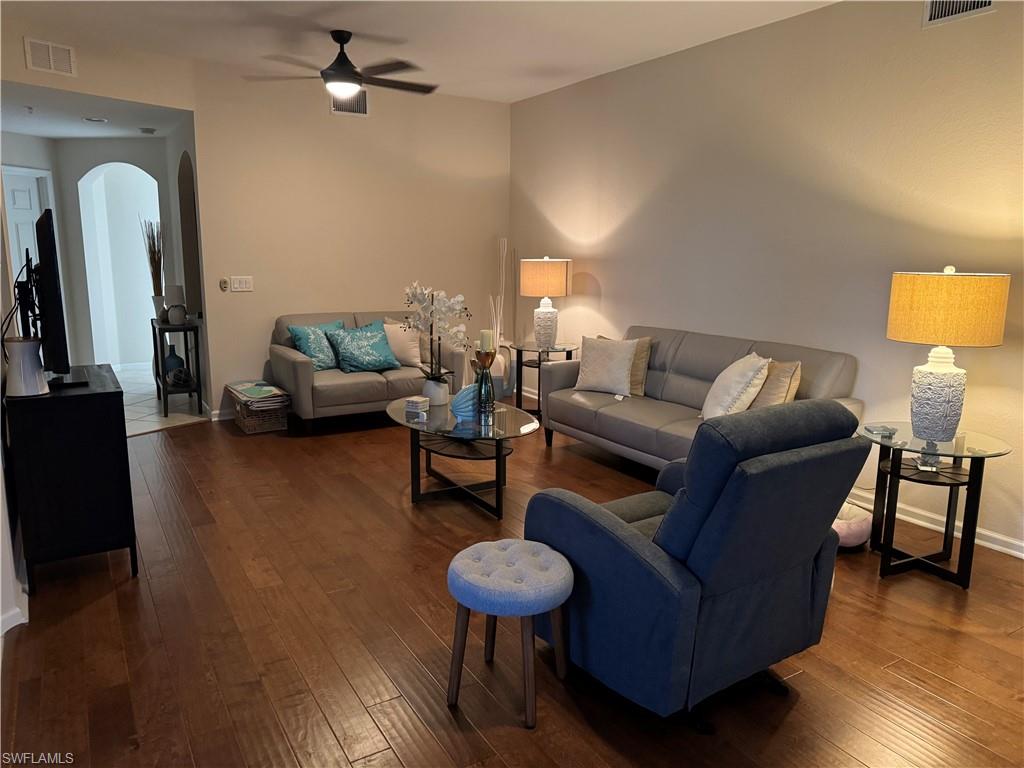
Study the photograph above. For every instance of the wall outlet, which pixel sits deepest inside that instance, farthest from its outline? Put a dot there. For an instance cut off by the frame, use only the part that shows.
(241, 283)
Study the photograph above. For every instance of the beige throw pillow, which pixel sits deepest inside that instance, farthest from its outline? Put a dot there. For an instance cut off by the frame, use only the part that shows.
(780, 386)
(605, 365)
(638, 373)
(736, 387)
(404, 343)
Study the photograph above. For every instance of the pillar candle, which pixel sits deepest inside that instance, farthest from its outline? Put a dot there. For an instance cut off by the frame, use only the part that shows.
(486, 340)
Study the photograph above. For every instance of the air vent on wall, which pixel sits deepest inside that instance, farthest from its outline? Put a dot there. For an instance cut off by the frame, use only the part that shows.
(939, 11)
(355, 105)
(50, 57)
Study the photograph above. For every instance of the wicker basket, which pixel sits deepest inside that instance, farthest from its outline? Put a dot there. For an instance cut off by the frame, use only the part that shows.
(252, 422)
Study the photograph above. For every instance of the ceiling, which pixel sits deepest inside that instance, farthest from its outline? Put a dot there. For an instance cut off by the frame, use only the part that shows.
(500, 51)
(58, 114)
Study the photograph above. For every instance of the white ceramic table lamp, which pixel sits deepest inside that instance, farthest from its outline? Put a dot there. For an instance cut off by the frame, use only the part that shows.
(946, 309)
(545, 278)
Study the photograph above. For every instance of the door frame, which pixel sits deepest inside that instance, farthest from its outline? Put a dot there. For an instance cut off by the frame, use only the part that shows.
(41, 175)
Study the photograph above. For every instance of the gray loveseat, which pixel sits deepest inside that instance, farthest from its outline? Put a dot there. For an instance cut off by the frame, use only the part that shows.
(336, 393)
(659, 427)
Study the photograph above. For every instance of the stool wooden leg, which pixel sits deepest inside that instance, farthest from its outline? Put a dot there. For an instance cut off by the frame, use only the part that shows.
(529, 683)
(492, 628)
(558, 630)
(458, 654)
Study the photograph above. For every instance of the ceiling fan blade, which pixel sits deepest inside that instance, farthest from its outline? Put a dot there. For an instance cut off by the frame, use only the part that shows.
(277, 78)
(295, 61)
(387, 67)
(399, 85)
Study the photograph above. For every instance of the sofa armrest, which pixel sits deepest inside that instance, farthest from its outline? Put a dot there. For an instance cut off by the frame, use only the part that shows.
(853, 405)
(293, 372)
(632, 614)
(672, 477)
(556, 375)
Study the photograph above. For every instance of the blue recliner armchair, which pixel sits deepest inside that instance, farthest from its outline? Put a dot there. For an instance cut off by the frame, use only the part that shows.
(722, 571)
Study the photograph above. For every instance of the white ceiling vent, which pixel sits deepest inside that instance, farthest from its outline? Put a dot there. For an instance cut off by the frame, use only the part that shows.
(50, 57)
(940, 11)
(355, 105)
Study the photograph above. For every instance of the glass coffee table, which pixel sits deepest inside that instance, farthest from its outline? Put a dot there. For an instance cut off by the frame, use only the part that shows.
(441, 434)
(894, 438)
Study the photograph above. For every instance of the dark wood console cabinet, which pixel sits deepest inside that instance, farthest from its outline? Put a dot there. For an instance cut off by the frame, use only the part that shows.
(66, 457)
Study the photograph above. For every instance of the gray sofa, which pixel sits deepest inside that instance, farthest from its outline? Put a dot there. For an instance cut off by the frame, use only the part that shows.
(659, 427)
(336, 393)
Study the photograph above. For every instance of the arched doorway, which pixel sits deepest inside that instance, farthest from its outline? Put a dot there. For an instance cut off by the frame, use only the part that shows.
(189, 235)
(114, 198)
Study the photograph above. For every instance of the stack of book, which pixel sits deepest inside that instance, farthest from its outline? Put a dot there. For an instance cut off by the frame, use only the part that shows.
(417, 404)
(259, 395)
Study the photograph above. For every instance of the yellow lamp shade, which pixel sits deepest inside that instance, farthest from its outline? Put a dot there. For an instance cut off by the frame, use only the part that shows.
(952, 309)
(545, 277)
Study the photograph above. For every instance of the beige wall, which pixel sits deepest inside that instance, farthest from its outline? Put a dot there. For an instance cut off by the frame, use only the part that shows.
(767, 184)
(325, 212)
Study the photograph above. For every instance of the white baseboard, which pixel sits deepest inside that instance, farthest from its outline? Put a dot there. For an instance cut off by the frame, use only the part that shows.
(12, 618)
(530, 392)
(936, 522)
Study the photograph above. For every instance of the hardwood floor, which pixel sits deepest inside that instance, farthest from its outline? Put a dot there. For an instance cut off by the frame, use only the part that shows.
(291, 610)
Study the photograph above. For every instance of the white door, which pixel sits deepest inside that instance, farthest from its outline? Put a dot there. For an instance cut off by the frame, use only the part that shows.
(21, 197)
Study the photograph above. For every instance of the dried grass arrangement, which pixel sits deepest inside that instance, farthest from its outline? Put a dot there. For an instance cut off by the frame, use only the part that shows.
(152, 236)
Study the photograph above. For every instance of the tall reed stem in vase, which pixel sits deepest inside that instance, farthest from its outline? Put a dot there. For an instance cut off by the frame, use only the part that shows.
(153, 239)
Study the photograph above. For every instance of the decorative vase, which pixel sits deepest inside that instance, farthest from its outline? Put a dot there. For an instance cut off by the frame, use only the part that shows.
(172, 363)
(25, 376)
(485, 386)
(464, 404)
(436, 391)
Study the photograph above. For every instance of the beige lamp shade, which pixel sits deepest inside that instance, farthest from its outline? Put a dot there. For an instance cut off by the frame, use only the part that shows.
(545, 277)
(952, 309)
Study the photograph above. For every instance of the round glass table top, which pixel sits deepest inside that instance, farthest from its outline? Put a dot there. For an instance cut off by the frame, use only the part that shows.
(532, 346)
(508, 422)
(966, 444)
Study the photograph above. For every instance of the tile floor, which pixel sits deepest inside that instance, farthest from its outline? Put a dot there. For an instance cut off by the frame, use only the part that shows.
(142, 411)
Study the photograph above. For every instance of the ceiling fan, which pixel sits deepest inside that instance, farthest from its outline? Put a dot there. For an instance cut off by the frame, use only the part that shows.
(344, 79)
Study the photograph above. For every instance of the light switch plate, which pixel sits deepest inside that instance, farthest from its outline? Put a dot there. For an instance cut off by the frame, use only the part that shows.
(241, 283)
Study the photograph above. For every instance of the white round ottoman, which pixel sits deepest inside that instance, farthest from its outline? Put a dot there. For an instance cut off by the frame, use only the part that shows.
(510, 577)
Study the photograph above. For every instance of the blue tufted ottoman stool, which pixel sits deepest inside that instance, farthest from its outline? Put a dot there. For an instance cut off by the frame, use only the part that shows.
(510, 577)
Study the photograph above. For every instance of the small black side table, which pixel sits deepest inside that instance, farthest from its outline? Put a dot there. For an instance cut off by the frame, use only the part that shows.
(191, 357)
(927, 469)
(543, 355)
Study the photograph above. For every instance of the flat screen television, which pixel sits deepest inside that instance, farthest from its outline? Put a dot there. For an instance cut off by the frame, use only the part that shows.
(49, 302)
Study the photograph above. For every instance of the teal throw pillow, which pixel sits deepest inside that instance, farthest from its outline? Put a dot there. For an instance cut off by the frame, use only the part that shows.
(311, 340)
(363, 349)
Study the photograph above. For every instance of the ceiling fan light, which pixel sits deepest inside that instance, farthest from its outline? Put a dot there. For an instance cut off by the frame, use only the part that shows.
(342, 89)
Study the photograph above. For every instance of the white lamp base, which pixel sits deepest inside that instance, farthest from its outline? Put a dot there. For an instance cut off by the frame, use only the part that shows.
(545, 323)
(937, 397)
(25, 377)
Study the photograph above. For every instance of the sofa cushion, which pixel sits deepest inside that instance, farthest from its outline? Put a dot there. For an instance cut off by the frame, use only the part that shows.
(335, 387)
(673, 441)
(403, 382)
(634, 509)
(664, 342)
(636, 421)
(577, 409)
(311, 340)
(363, 349)
(697, 362)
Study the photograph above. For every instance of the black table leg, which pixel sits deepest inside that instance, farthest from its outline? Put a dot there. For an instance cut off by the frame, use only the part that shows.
(970, 527)
(156, 365)
(188, 358)
(568, 354)
(519, 378)
(198, 377)
(160, 369)
(134, 552)
(499, 477)
(889, 524)
(414, 463)
(951, 508)
(881, 486)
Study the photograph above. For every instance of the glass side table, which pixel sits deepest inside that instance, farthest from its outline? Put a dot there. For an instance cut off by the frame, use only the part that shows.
(895, 438)
(543, 355)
